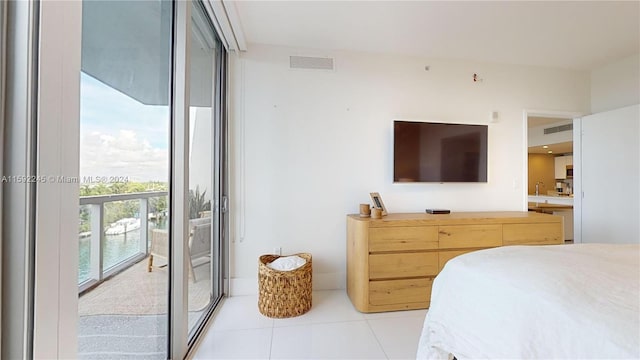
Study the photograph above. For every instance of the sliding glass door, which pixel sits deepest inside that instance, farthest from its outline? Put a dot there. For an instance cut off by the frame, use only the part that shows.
(123, 259)
(129, 56)
(118, 108)
(205, 169)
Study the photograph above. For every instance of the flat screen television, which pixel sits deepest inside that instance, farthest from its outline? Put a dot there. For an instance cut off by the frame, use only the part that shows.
(439, 152)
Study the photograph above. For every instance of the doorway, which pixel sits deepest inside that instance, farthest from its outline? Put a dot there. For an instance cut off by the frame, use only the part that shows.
(549, 166)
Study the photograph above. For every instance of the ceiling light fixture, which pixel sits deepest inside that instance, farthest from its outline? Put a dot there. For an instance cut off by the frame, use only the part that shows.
(545, 146)
(550, 152)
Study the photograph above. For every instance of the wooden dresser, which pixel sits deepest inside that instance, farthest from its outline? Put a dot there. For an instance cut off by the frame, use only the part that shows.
(391, 262)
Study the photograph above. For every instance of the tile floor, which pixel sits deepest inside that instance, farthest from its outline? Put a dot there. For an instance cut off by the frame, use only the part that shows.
(332, 329)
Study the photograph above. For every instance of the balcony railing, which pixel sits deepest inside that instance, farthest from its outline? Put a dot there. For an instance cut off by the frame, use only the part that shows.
(96, 204)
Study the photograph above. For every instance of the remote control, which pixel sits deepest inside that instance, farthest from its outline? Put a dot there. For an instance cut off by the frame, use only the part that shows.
(438, 211)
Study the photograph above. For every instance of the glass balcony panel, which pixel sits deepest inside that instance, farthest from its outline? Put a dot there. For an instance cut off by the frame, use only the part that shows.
(84, 248)
(122, 232)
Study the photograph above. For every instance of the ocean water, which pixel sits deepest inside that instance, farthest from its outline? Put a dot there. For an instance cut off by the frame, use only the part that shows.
(116, 248)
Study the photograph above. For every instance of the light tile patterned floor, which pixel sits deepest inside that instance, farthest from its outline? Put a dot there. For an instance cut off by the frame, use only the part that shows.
(332, 329)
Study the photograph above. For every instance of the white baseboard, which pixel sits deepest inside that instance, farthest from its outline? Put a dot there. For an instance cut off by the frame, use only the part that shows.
(326, 281)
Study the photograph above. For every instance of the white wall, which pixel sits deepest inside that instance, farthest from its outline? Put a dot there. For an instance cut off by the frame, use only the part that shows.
(307, 146)
(616, 85)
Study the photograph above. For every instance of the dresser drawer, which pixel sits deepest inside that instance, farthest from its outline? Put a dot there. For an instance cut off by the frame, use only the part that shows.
(390, 266)
(533, 234)
(444, 256)
(390, 292)
(403, 238)
(468, 236)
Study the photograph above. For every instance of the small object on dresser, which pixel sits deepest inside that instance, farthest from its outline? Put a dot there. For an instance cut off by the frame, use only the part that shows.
(365, 210)
(438, 211)
(376, 213)
(377, 202)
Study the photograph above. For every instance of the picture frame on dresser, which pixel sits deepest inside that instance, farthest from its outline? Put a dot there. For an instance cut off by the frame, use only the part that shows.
(376, 199)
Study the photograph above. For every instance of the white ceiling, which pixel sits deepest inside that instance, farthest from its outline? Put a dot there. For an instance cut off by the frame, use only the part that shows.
(558, 148)
(580, 35)
(535, 121)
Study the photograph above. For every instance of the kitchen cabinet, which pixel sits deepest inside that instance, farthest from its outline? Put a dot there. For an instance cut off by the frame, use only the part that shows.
(560, 206)
(561, 163)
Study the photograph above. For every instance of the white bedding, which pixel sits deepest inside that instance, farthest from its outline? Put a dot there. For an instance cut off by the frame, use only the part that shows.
(545, 302)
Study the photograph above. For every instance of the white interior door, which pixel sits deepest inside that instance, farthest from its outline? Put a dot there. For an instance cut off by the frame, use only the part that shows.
(610, 176)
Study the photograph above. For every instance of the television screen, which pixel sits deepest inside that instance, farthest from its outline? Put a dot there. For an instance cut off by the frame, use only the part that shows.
(438, 152)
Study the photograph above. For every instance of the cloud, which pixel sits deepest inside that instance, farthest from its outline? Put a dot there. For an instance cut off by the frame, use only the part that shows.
(120, 136)
(104, 109)
(122, 155)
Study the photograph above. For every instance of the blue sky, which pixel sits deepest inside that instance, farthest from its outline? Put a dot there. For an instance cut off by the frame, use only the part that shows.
(120, 136)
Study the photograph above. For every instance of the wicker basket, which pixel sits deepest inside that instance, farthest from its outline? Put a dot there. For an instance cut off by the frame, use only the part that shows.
(284, 294)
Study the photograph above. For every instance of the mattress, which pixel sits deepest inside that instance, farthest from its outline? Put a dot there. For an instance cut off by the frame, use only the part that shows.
(516, 302)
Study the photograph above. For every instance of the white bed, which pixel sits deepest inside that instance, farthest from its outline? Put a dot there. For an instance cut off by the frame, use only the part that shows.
(544, 302)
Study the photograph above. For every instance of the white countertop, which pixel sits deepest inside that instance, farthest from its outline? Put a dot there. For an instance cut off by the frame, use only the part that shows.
(548, 199)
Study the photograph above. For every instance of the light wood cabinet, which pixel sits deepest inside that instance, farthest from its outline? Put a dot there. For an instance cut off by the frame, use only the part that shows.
(531, 234)
(392, 293)
(391, 262)
(402, 265)
(403, 238)
(446, 255)
(469, 236)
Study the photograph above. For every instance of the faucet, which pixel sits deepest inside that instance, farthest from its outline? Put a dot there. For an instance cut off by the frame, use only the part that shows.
(538, 187)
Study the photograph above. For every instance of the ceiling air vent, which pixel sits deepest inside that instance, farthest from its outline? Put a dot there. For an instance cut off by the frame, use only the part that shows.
(556, 129)
(307, 62)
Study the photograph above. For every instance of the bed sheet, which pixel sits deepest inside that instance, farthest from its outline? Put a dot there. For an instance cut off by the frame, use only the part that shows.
(544, 302)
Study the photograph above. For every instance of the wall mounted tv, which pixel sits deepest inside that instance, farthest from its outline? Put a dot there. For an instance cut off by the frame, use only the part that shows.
(439, 152)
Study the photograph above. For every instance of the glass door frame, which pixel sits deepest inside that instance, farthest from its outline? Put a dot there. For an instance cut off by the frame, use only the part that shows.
(181, 342)
(42, 126)
(3, 55)
(179, 180)
(17, 200)
(40, 143)
(219, 202)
